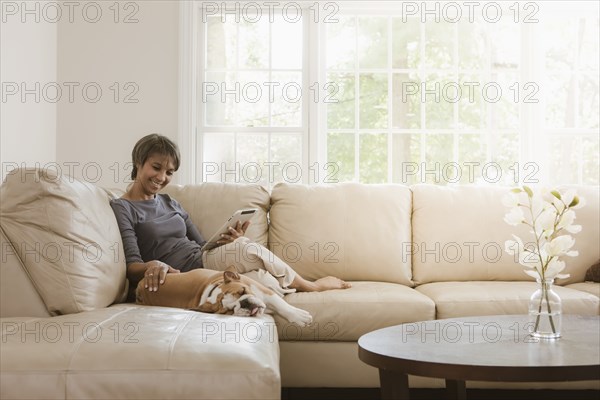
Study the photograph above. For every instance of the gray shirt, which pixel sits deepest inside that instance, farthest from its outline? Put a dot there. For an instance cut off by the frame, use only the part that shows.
(158, 229)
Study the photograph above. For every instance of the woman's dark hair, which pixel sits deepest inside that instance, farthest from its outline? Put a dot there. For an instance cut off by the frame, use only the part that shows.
(153, 144)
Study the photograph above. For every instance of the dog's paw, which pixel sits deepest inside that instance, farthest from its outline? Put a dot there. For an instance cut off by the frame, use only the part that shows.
(300, 317)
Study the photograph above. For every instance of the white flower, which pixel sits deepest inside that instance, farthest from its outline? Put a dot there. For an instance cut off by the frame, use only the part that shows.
(531, 259)
(559, 246)
(560, 206)
(568, 197)
(545, 222)
(567, 219)
(515, 216)
(541, 214)
(538, 204)
(513, 247)
(510, 200)
(554, 268)
(533, 274)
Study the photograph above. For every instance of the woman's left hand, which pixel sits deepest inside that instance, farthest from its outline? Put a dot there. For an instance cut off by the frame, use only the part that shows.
(234, 232)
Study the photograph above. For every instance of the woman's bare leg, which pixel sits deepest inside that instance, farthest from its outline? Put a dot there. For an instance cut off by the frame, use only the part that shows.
(327, 283)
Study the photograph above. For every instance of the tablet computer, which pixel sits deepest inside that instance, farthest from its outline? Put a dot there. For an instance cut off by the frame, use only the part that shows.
(240, 216)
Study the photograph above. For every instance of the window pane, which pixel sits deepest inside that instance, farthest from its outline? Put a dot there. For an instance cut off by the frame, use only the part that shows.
(588, 101)
(589, 55)
(373, 158)
(564, 156)
(341, 111)
(438, 152)
(219, 156)
(504, 114)
(253, 46)
(286, 40)
(286, 109)
(286, 154)
(406, 52)
(221, 43)
(252, 153)
(236, 99)
(341, 43)
(471, 105)
(373, 101)
(505, 44)
(340, 150)
(590, 151)
(471, 152)
(406, 158)
(406, 101)
(439, 45)
(559, 34)
(218, 111)
(560, 90)
(372, 42)
(439, 112)
(505, 152)
(472, 49)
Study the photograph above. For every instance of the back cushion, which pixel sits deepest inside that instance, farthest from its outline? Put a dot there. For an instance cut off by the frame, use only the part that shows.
(353, 231)
(66, 235)
(459, 234)
(211, 204)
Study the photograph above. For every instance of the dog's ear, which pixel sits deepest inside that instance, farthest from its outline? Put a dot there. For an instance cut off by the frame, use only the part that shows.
(230, 275)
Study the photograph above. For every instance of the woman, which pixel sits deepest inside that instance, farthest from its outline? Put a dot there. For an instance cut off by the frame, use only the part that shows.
(159, 237)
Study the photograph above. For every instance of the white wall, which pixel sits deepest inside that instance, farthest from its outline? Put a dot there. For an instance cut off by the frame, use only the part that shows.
(27, 56)
(86, 133)
(96, 137)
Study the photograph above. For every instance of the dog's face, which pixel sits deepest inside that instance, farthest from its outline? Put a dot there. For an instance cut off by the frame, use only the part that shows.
(233, 297)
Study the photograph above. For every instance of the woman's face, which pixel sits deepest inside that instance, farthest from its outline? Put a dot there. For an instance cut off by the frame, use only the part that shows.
(155, 174)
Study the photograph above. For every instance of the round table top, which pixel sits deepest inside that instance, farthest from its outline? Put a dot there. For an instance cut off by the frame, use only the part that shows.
(497, 348)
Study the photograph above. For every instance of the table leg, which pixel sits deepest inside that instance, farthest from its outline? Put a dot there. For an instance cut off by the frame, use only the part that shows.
(394, 385)
(456, 390)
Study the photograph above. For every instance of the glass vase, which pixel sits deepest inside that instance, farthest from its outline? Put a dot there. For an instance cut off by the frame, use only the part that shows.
(545, 311)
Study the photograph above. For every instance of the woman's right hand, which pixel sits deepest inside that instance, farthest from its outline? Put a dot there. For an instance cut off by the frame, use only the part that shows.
(156, 273)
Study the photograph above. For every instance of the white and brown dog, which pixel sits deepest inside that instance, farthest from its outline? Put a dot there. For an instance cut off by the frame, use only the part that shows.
(221, 293)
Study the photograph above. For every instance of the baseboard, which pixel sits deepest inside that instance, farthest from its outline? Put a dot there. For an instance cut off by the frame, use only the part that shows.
(434, 394)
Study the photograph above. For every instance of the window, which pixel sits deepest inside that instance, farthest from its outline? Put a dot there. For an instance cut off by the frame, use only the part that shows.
(252, 119)
(421, 101)
(405, 92)
(570, 46)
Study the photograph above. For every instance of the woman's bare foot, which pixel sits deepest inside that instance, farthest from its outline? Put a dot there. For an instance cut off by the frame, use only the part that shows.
(327, 283)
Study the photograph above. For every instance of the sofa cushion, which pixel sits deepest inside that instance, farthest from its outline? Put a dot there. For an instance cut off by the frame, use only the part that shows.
(463, 299)
(138, 352)
(588, 287)
(459, 235)
(354, 231)
(65, 233)
(18, 297)
(211, 204)
(345, 315)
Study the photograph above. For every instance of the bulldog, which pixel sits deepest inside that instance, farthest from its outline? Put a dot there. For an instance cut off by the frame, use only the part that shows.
(221, 293)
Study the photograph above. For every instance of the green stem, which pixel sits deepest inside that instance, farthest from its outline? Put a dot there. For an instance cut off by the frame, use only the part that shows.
(549, 309)
(542, 298)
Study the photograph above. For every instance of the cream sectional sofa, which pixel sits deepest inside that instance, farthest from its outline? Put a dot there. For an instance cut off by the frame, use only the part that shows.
(412, 253)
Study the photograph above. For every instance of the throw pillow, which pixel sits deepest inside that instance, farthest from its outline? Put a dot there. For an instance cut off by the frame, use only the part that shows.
(593, 273)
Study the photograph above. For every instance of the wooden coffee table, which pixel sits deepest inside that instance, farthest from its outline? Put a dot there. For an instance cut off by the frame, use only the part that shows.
(491, 348)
